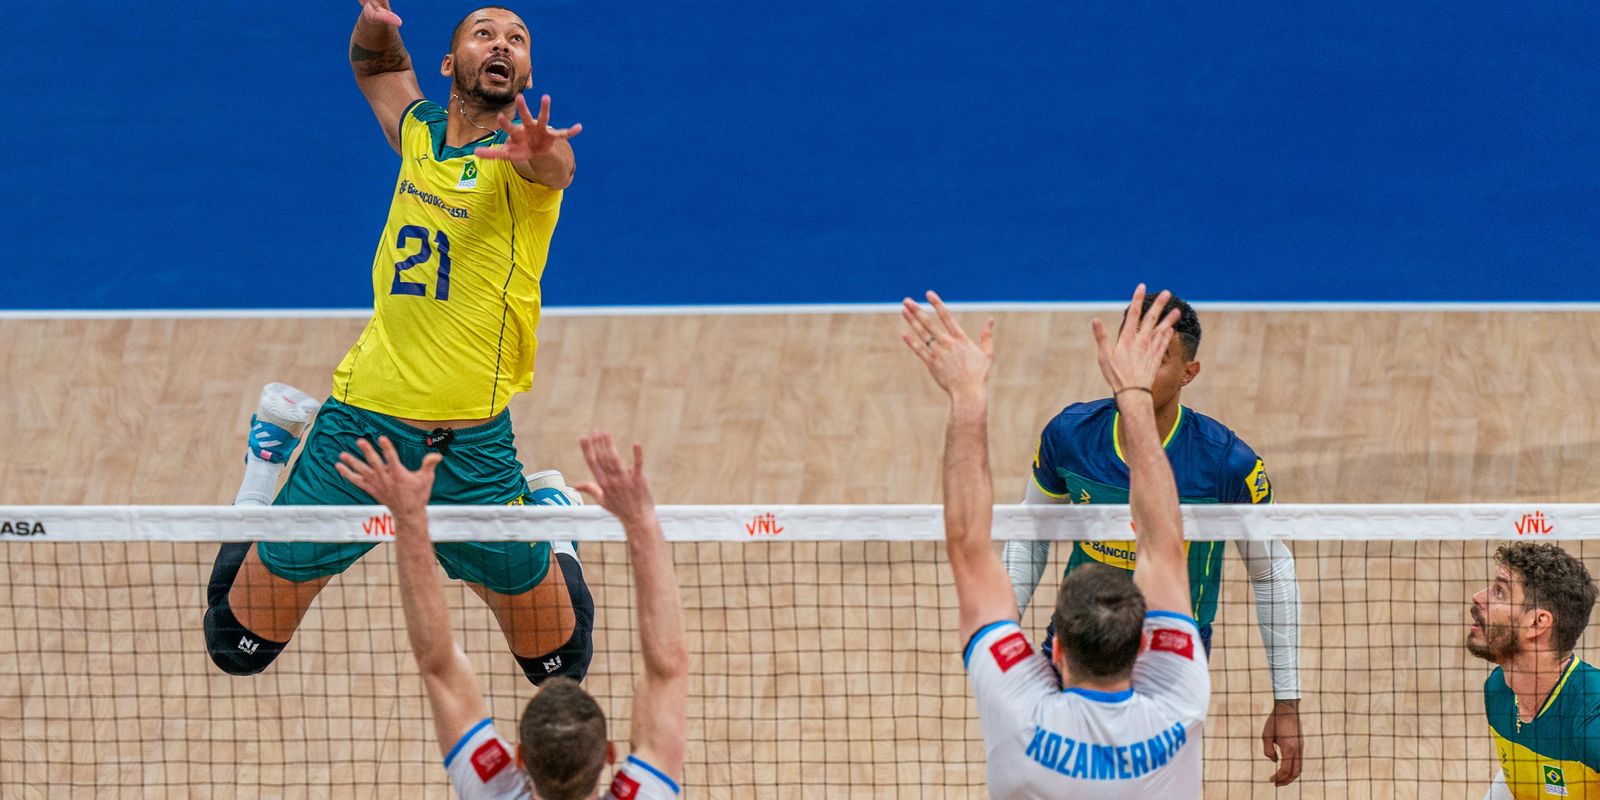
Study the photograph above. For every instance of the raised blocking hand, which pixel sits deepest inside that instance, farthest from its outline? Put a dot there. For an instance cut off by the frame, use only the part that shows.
(380, 474)
(959, 365)
(623, 491)
(525, 140)
(1132, 359)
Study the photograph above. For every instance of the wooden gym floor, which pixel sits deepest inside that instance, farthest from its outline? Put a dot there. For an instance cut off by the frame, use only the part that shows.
(105, 691)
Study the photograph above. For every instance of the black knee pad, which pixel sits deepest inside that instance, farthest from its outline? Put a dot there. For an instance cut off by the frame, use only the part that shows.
(571, 659)
(234, 648)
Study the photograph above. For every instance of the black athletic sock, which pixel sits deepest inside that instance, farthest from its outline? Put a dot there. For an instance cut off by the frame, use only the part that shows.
(225, 570)
(571, 659)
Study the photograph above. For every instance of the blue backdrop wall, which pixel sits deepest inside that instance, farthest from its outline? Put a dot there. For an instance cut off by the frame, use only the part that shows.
(189, 155)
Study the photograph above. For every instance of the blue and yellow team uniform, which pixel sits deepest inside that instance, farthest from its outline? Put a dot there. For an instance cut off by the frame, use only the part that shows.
(1080, 458)
(1558, 753)
(456, 302)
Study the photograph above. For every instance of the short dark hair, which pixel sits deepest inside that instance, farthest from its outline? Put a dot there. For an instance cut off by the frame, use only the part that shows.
(1099, 622)
(563, 743)
(460, 26)
(1554, 581)
(1187, 328)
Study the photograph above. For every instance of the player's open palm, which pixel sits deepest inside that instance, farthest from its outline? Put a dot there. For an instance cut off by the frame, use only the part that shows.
(957, 363)
(617, 487)
(379, 473)
(1131, 360)
(527, 139)
(378, 11)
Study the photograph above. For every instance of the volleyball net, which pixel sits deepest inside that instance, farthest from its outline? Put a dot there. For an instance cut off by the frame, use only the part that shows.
(825, 655)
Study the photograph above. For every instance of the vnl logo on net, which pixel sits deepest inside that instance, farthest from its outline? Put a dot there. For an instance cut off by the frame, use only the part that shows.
(763, 524)
(378, 525)
(1534, 524)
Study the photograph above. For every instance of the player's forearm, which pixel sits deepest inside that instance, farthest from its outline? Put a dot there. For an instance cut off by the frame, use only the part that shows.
(554, 168)
(421, 598)
(968, 490)
(1025, 565)
(1270, 567)
(661, 632)
(1026, 561)
(1152, 490)
(376, 48)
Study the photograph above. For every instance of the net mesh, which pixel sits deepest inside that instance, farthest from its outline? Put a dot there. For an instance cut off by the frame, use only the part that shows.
(820, 669)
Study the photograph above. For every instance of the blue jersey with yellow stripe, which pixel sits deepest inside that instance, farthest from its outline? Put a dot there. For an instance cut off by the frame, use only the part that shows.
(1080, 459)
(1557, 754)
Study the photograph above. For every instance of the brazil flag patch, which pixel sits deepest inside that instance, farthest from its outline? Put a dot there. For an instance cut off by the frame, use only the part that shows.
(1260, 486)
(1554, 781)
(469, 176)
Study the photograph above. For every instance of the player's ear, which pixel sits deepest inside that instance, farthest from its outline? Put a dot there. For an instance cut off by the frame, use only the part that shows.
(516, 747)
(1190, 370)
(1542, 621)
(611, 752)
(447, 67)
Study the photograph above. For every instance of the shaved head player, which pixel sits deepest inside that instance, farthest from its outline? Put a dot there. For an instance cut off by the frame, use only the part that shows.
(564, 748)
(1125, 719)
(451, 340)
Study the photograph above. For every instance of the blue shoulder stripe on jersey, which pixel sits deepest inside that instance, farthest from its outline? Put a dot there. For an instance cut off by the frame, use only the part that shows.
(1099, 696)
(650, 768)
(966, 654)
(1173, 615)
(462, 742)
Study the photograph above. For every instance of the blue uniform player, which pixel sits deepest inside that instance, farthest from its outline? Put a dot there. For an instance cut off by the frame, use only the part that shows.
(1081, 459)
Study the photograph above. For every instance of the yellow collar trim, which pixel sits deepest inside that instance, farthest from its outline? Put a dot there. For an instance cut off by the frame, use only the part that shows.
(1116, 432)
(1572, 666)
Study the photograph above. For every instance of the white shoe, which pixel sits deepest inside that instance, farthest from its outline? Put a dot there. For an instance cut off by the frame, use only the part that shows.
(282, 414)
(548, 488)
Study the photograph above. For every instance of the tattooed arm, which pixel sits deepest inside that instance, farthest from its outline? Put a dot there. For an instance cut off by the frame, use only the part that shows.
(383, 67)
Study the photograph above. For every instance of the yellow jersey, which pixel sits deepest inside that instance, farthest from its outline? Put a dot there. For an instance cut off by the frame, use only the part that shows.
(455, 282)
(1557, 755)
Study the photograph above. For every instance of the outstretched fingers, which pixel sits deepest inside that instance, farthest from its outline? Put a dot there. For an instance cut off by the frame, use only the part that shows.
(1134, 317)
(986, 337)
(1152, 318)
(1102, 342)
(912, 314)
(945, 317)
(391, 459)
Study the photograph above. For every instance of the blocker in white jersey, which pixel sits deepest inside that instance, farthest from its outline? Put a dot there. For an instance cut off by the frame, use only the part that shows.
(564, 746)
(1046, 742)
(1118, 710)
(482, 767)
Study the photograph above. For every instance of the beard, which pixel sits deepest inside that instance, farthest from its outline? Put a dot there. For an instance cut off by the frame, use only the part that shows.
(473, 85)
(1499, 643)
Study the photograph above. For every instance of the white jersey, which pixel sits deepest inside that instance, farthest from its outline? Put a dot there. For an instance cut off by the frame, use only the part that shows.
(482, 767)
(1043, 742)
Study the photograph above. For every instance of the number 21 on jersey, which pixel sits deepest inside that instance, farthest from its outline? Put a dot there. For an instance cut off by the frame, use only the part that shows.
(441, 243)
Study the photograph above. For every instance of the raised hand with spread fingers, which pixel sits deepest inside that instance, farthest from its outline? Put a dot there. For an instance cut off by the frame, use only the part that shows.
(539, 152)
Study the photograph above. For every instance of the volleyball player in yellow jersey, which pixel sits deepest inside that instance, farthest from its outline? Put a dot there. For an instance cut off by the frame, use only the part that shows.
(451, 340)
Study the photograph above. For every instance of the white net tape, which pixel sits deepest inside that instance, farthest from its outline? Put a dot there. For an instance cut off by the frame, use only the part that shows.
(729, 523)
